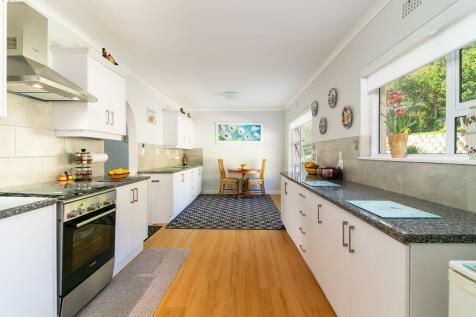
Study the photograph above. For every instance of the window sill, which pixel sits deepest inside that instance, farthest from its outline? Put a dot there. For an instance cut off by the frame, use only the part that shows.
(429, 158)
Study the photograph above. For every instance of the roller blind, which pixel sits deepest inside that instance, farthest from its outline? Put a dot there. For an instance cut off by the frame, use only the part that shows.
(448, 40)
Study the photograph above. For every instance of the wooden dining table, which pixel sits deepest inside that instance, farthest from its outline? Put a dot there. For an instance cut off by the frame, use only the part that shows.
(244, 172)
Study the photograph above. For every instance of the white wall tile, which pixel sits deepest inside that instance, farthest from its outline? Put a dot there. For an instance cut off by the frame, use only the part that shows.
(31, 142)
(7, 141)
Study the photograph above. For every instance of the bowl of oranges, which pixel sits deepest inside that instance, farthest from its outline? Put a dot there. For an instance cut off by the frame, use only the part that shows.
(118, 173)
(311, 168)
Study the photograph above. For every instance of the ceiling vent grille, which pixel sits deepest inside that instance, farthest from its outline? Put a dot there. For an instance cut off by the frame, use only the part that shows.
(410, 6)
(12, 43)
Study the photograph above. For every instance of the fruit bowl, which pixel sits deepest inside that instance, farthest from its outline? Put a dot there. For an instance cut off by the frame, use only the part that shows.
(118, 176)
(311, 171)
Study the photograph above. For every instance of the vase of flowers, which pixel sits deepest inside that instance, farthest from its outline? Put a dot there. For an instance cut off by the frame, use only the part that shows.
(398, 123)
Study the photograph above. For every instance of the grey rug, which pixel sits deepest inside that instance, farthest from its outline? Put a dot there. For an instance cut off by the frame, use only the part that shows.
(226, 212)
(138, 290)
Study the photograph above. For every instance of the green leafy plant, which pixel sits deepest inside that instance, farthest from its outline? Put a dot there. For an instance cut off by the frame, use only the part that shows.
(413, 149)
(398, 116)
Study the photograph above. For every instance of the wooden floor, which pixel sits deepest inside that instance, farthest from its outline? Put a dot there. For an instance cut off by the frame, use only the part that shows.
(239, 273)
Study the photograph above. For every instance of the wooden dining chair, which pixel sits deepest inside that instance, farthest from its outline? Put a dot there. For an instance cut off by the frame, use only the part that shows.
(257, 181)
(226, 181)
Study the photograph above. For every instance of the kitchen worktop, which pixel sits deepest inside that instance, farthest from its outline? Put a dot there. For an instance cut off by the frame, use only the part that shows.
(168, 170)
(12, 206)
(454, 226)
(54, 191)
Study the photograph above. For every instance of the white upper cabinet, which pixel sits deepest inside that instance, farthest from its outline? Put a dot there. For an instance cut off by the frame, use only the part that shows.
(3, 58)
(178, 130)
(106, 118)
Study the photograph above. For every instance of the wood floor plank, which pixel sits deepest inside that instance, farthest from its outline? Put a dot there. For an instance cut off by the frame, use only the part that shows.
(239, 273)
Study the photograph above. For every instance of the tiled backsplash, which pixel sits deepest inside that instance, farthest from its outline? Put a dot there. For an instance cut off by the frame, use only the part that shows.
(450, 185)
(30, 152)
(155, 156)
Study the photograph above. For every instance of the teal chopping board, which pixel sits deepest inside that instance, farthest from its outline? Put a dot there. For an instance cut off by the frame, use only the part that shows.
(321, 184)
(390, 209)
(471, 266)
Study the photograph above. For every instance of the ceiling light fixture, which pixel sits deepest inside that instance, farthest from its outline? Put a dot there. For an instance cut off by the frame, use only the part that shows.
(75, 98)
(231, 95)
(37, 86)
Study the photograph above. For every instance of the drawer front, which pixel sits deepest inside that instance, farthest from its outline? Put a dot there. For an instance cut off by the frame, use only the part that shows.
(304, 196)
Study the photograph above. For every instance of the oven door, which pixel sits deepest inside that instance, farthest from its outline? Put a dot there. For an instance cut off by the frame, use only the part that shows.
(88, 243)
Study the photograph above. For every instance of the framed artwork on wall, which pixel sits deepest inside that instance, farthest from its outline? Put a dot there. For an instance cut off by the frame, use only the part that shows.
(239, 132)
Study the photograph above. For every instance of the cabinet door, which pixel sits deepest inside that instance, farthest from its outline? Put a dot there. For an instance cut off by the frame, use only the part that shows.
(180, 191)
(334, 270)
(139, 231)
(379, 271)
(199, 181)
(124, 220)
(181, 131)
(28, 266)
(116, 103)
(99, 117)
(284, 200)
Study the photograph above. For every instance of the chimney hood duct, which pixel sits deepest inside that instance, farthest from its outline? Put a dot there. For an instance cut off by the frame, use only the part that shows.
(27, 46)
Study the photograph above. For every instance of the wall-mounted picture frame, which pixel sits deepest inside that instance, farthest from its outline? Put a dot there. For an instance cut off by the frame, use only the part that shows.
(239, 132)
(151, 116)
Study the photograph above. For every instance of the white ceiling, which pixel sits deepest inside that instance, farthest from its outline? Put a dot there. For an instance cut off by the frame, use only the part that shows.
(194, 50)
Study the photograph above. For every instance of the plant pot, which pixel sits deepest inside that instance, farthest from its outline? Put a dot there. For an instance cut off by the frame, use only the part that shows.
(398, 144)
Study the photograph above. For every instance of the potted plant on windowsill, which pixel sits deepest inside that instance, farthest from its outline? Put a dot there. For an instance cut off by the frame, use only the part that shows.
(398, 123)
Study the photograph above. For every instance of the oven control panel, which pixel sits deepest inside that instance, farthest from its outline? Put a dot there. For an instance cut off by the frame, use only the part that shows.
(84, 205)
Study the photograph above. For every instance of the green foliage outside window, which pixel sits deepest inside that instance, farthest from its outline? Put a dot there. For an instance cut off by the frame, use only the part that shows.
(468, 73)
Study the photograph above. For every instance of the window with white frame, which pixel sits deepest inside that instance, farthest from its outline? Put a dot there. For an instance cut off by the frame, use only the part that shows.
(300, 131)
(437, 98)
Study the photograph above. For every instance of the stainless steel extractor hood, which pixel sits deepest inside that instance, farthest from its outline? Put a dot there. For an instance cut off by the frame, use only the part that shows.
(27, 73)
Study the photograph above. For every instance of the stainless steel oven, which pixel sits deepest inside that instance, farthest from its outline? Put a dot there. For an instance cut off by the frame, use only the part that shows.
(86, 241)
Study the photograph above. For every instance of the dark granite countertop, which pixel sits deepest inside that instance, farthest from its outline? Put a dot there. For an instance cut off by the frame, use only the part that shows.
(454, 226)
(24, 191)
(20, 209)
(168, 170)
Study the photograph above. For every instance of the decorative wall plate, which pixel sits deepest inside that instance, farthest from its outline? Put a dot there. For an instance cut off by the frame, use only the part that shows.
(346, 117)
(332, 97)
(314, 108)
(323, 125)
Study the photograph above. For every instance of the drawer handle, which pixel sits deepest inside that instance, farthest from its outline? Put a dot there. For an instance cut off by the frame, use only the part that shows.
(302, 195)
(302, 249)
(156, 181)
(285, 188)
(303, 214)
(302, 231)
(344, 223)
(319, 213)
(350, 239)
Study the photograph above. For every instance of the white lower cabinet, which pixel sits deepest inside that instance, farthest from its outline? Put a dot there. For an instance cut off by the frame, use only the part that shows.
(363, 271)
(170, 193)
(28, 267)
(131, 222)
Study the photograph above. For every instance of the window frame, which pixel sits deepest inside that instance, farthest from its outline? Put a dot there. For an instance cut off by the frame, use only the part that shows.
(299, 123)
(454, 109)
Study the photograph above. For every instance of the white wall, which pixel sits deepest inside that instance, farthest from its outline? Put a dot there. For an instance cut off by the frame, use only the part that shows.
(233, 154)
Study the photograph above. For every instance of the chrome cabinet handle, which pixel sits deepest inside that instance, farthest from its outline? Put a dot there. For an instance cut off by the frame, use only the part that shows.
(302, 249)
(112, 116)
(285, 188)
(344, 223)
(79, 225)
(107, 116)
(136, 190)
(303, 214)
(132, 194)
(183, 178)
(350, 239)
(303, 196)
(319, 213)
(156, 181)
(302, 231)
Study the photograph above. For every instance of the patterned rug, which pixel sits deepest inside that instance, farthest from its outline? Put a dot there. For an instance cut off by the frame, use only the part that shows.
(151, 230)
(211, 212)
